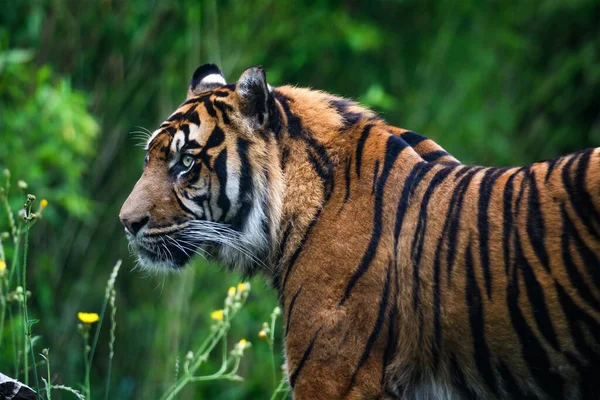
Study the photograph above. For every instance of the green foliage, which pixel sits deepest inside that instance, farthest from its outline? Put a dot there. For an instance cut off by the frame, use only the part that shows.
(501, 83)
(48, 136)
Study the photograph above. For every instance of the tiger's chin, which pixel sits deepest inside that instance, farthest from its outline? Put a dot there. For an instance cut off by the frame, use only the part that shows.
(159, 258)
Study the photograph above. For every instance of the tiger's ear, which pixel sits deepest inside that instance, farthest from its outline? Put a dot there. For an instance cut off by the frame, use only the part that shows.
(206, 77)
(254, 94)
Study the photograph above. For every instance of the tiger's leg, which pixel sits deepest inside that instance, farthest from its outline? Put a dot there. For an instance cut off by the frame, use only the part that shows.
(335, 352)
(322, 364)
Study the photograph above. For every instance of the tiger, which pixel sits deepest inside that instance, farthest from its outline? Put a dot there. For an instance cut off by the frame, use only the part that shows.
(401, 272)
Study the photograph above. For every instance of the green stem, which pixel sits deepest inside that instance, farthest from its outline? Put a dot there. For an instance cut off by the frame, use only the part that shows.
(24, 286)
(26, 318)
(97, 333)
(3, 312)
(271, 346)
(86, 337)
(107, 389)
(14, 345)
(282, 388)
(48, 383)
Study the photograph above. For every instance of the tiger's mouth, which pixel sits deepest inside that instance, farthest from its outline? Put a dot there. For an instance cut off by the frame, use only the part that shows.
(162, 252)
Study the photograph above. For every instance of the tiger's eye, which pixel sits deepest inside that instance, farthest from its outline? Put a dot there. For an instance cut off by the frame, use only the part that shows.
(187, 160)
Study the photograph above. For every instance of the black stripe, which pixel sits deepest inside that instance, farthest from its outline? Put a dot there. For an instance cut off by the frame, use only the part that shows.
(303, 360)
(375, 173)
(294, 126)
(458, 377)
(507, 221)
(583, 326)
(532, 350)
(435, 155)
(589, 260)
(220, 168)
(209, 107)
(193, 100)
(193, 118)
(282, 246)
(481, 353)
(351, 119)
(347, 179)
(183, 206)
(452, 225)
(185, 128)
(289, 313)
(360, 147)
(551, 165)
(485, 192)
(420, 231)
(376, 328)
(511, 386)
(225, 110)
(579, 198)
(412, 138)
(323, 167)
(392, 335)
(216, 138)
(296, 254)
(246, 185)
(536, 229)
(175, 117)
(340, 104)
(449, 231)
(535, 293)
(413, 179)
(461, 171)
(393, 148)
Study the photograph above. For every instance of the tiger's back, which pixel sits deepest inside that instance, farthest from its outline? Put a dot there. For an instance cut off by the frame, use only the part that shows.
(401, 273)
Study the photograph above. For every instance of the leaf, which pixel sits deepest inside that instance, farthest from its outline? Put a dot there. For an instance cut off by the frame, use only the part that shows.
(31, 323)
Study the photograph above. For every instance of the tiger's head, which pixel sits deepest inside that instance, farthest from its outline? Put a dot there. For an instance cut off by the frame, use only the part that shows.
(211, 183)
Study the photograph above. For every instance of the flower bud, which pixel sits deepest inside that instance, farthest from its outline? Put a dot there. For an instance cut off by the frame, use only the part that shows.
(22, 185)
(189, 356)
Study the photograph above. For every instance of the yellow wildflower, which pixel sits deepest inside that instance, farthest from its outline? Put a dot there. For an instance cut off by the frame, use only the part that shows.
(2, 265)
(217, 315)
(231, 292)
(88, 318)
(241, 287)
(44, 203)
(262, 335)
(242, 343)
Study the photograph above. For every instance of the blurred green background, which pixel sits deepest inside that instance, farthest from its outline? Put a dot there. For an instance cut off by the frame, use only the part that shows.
(496, 83)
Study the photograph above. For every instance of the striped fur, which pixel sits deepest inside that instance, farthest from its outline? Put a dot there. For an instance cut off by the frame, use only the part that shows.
(401, 272)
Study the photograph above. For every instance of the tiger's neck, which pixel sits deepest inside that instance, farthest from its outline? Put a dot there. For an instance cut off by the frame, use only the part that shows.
(321, 147)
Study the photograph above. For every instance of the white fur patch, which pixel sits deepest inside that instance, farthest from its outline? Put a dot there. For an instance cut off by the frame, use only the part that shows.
(213, 78)
(151, 138)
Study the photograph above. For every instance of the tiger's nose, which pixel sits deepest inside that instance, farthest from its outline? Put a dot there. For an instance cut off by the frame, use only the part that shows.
(134, 224)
